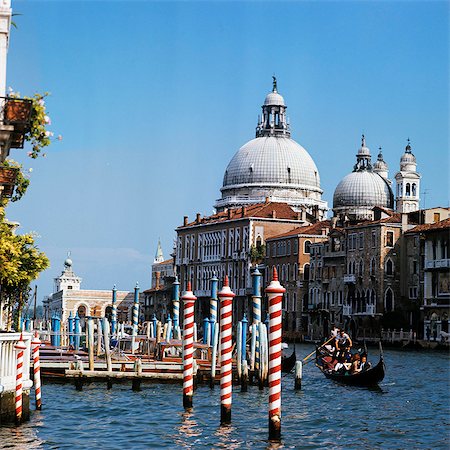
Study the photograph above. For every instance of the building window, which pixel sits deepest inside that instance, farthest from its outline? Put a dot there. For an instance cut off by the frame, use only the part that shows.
(415, 267)
(413, 292)
(436, 217)
(389, 300)
(374, 239)
(307, 247)
(305, 271)
(372, 267)
(408, 189)
(289, 248)
(295, 246)
(361, 241)
(389, 238)
(389, 267)
(414, 189)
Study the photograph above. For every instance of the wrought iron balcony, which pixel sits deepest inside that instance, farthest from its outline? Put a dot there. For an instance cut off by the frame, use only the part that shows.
(350, 278)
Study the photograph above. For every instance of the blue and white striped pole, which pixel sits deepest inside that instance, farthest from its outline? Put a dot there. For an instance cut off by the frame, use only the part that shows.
(70, 328)
(155, 324)
(256, 310)
(135, 316)
(205, 330)
(244, 322)
(114, 311)
(57, 331)
(213, 300)
(77, 328)
(176, 303)
(169, 329)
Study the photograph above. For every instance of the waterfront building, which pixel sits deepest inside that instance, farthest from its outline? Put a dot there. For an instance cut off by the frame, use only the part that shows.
(158, 299)
(290, 254)
(68, 297)
(270, 187)
(427, 273)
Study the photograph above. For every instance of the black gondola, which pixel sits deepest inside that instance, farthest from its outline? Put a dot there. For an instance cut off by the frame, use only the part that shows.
(288, 362)
(370, 377)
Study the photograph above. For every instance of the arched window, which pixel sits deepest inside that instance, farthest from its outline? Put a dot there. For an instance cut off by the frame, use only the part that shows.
(361, 267)
(389, 300)
(305, 271)
(294, 272)
(414, 189)
(307, 247)
(289, 248)
(408, 189)
(288, 269)
(372, 266)
(389, 267)
(373, 297)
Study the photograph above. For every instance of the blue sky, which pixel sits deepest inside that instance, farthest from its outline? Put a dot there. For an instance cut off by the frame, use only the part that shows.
(154, 98)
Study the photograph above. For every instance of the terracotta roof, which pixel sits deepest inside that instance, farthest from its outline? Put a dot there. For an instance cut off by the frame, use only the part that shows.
(442, 225)
(314, 229)
(395, 218)
(269, 210)
(167, 261)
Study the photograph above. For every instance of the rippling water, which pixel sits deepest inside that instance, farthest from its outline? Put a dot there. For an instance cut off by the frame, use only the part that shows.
(410, 410)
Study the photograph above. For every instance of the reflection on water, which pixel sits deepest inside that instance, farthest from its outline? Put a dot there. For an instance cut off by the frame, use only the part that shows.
(409, 410)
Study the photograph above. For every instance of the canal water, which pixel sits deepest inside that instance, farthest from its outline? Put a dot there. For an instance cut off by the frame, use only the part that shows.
(410, 410)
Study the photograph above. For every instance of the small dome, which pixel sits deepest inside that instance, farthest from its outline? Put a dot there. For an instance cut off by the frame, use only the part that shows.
(363, 150)
(380, 163)
(274, 99)
(408, 160)
(364, 190)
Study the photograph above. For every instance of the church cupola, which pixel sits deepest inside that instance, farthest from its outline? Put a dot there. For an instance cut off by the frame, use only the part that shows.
(363, 157)
(380, 166)
(408, 183)
(67, 280)
(273, 121)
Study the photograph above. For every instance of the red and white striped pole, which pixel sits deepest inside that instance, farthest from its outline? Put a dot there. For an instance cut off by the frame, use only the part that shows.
(275, 296)
(226, 366)
(20, 347)
(188, 299)
(37, 370)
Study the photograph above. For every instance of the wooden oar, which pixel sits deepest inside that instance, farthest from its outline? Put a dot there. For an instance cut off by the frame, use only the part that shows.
(312, 353)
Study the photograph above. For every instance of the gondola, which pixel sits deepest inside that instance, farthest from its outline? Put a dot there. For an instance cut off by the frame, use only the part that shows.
(370, 377)
(288, 362)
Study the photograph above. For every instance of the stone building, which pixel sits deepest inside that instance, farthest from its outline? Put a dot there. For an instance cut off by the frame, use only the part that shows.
(428, 267)
(270, 187)
(228, 243)
(68, 297)
(290, 254)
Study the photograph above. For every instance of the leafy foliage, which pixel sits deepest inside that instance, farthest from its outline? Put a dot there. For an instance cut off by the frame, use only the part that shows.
(22, 182)
(257, 253)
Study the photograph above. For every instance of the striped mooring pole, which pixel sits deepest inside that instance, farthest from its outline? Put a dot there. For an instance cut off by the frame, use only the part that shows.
(275, 297)
(20, 347)
(135, 316)
(36, 343)
(176, 303)
(188, 345)
(114, 311)
(226, 366)
(256, 309)
(213, 300)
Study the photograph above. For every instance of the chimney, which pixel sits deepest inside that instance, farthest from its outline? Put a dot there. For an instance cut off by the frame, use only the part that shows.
(243, 211)
(404, 222)
(158, 278)
(229, 213)
(325, 231)
(197, 218)
(185, 221)
(299, 215)
(267, 200)
(274, 214)
(334, 222)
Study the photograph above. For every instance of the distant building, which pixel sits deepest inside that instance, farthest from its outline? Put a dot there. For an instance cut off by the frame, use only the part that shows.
(290, 254)
(158, 299)
(429, 266)
(68, 297)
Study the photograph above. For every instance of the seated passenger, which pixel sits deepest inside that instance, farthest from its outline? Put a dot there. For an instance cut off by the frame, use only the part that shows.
(356, 363)
(365, 365)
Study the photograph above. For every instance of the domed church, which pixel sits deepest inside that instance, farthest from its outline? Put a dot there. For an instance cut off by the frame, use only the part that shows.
(273, 166)
(368, 186)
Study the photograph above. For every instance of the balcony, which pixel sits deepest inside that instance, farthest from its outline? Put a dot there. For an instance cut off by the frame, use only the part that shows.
(16, 113)
(8, 176)
(350, 279)
(437, 264)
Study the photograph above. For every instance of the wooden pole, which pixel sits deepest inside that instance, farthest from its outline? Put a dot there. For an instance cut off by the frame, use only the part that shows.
(107, 346)
(37, 370)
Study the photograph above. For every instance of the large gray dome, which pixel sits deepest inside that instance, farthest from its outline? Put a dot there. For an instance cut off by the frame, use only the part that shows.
(273, 166)
(272, 161)
(363, 189)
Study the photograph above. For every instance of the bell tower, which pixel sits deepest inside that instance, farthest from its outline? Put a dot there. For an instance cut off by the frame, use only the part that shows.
(408, 183)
